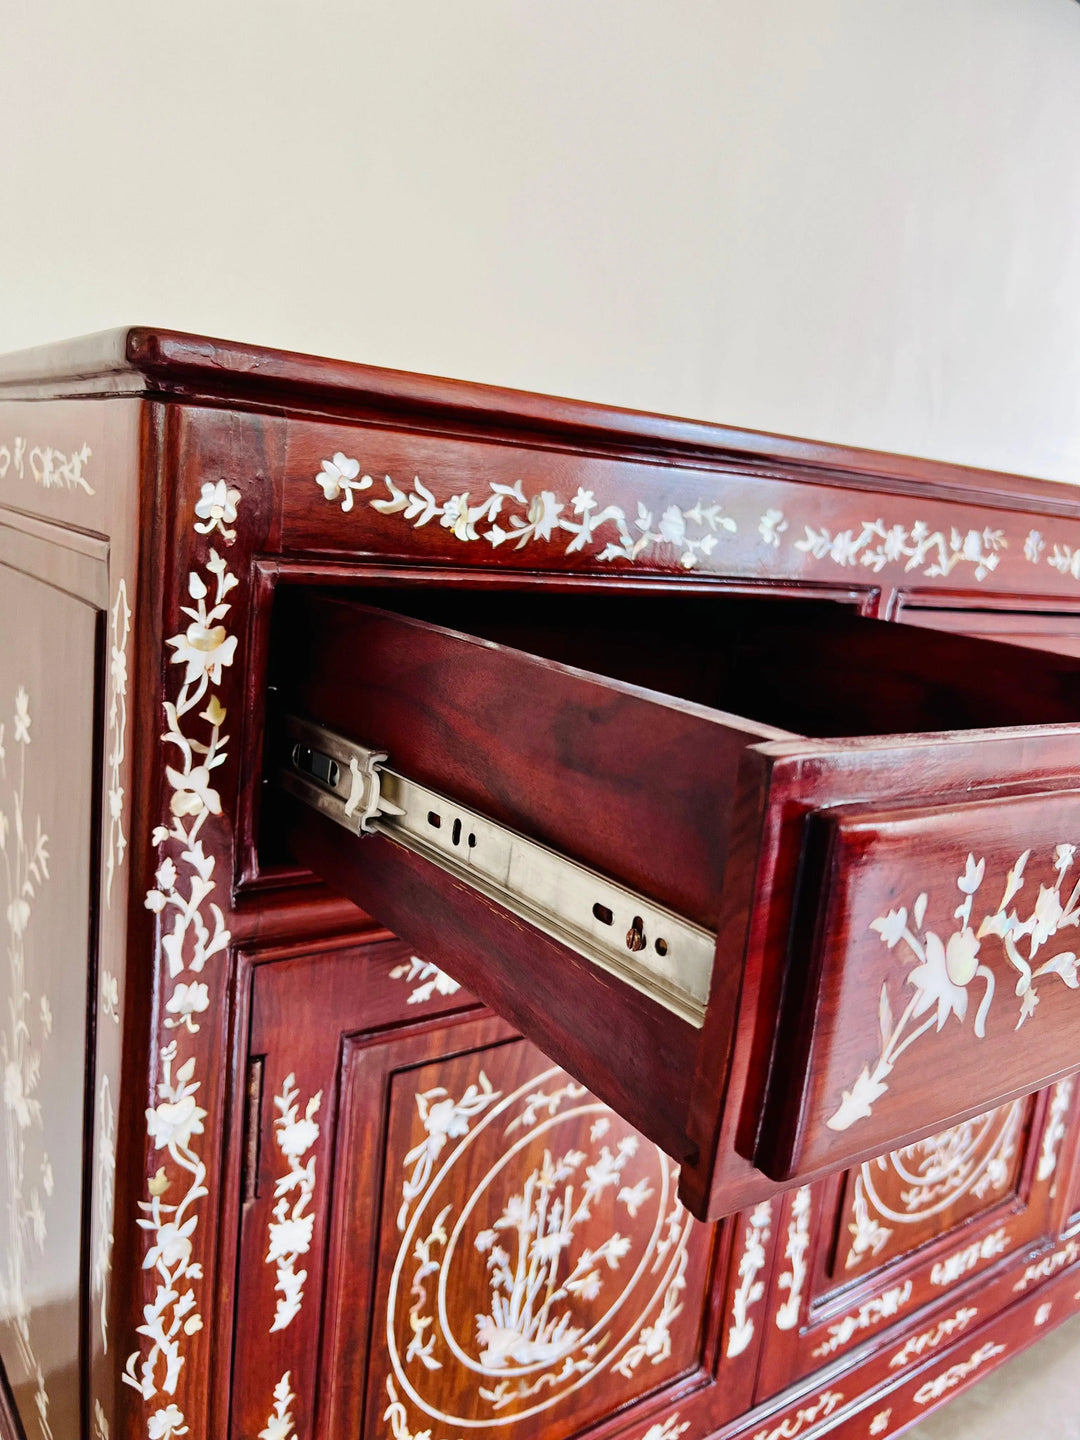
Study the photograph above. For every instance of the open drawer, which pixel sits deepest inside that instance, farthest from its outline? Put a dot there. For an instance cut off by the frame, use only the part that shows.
(619, 823)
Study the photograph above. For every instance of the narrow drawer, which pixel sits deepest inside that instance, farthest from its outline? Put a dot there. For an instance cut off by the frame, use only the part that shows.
(785, 886)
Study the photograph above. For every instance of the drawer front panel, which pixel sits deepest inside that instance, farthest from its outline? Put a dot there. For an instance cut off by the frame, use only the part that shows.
(960, 922)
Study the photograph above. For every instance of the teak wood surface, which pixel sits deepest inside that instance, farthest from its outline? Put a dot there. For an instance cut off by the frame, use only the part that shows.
(156, 477)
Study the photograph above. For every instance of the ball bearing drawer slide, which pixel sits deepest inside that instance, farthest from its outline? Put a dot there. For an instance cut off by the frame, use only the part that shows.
(649, 947)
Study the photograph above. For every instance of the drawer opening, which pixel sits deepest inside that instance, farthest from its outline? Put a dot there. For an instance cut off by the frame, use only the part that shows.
(809, 667)
(580, 802)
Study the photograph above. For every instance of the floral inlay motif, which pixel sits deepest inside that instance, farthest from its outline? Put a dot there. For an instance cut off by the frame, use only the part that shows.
(120, 625)
(934, 553)
(26, 1027)
(880, 1423)
(542, 517)
(109, 996)
(910, 1185)
(101, 1422)
(104, 1201)
(1055, 1129)
(397, 1416)
(944, 978)
(771, 526)
(794, 1277)
(216, 509)
(1065, 559)
(931, 552)
(185, 881)
(870, 1313)
(279, 1426)
(956, 1374)
(962, 1262)
(750, 1289)
(49, 468)
(443, 1119)
(669, 1429)
(430, 980)
(1060, 1259)
(523, 1252)
(538, 1228)
(801, 1419)
(293, 1223)
(932, 1338)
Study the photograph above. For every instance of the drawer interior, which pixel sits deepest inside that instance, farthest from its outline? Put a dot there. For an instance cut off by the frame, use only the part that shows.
(806, 667)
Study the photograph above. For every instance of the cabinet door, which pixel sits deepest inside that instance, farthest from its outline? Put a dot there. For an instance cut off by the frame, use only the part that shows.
(443, 1233)
(740, 933)
(913, 1239)
(50, 713)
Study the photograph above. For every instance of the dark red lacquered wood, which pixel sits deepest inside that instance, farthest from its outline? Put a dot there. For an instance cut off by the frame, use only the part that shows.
(961, 550)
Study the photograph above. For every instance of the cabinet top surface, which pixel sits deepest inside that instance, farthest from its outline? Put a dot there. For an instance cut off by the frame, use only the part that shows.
(140, 360)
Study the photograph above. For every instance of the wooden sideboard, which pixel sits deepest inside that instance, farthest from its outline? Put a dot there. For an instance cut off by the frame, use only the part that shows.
(699, 1062)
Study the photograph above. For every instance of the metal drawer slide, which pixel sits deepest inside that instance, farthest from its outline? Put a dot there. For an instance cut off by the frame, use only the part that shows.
(656, 951)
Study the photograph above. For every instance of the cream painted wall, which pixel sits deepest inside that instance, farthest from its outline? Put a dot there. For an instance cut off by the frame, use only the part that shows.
(846, 219)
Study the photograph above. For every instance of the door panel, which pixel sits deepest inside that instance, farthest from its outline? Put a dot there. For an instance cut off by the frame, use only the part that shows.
(907, 1238)
(50, 708)
(443, 1232)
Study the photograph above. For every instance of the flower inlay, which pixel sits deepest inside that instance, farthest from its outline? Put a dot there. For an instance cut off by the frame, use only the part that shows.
(921, 1180)
(279, 1425)
(104, 1201)
(930, 1339)
(869, 1314)
(1055, 1129)
(567, 1295)
(931, 552)
(952, 970)
(962, 1262)
(794, 1277)
(750, 1289)
(120, 626)
(184, 882)
(1060, 1259)
(25, 1027)
(293, 1221)
(956, 1374)
(802, 1419)
(49, 468)
(427, 980)
(542, 517)
(669, 1429)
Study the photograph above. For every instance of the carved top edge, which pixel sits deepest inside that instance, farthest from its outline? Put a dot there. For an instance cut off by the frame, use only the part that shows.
(147, 360)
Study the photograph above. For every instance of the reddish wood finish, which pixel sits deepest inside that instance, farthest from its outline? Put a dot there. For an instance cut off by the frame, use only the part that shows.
(202, 462)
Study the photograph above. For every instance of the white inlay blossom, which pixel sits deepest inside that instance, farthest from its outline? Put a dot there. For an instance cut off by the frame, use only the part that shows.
(947, 971)
(24, 1029)
(432, 980)
(279, 1426)
(292, 1227)
(750, 1289)
(181, 894)
(692, 532)
(549, 1227)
